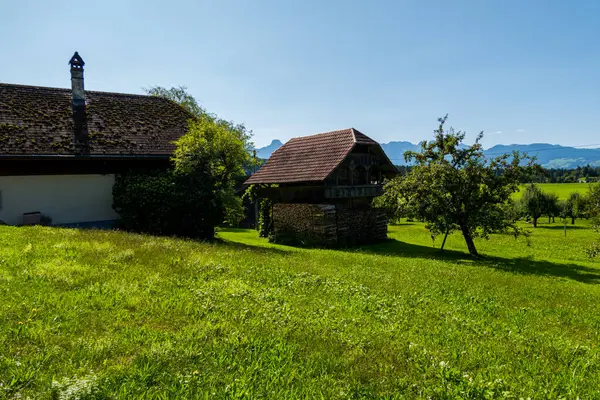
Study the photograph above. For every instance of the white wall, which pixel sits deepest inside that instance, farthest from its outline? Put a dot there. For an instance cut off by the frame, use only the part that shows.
(64, 198)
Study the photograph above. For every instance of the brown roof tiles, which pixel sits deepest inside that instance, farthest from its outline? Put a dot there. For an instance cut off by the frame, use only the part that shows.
(40, 121)
(309, 158)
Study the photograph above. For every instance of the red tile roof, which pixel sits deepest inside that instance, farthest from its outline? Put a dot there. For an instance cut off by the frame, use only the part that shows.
(309, 158)
(39, 121)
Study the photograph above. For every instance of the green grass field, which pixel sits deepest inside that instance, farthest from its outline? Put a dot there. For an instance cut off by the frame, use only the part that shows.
(97, 314)
(563, 190)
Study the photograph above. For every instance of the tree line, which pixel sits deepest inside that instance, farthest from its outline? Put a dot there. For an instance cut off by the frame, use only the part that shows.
(586, 173)
(536, 203)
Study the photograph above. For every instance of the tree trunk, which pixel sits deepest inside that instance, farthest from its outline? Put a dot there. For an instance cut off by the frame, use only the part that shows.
(535, 222)
(572, 220)
(469, 239)
(549, 219)
(444, 242)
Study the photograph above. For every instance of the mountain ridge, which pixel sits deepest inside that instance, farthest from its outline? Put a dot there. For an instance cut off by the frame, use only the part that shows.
(548, 155)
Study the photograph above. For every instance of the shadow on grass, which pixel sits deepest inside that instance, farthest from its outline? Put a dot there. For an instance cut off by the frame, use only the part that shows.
(519, 265)
(560, 227)
(395, 248)
(254, 248)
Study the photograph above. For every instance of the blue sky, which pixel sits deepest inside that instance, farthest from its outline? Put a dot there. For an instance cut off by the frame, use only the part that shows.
(523, 71)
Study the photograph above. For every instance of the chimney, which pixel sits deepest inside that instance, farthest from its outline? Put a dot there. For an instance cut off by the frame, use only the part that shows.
(77, 81)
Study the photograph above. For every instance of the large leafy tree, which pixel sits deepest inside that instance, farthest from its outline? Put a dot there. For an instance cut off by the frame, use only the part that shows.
(454, 187)
(219, 149)
(198, 193)
(212, 146)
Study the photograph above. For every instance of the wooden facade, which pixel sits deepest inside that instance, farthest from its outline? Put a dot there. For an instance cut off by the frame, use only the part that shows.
(335, 208)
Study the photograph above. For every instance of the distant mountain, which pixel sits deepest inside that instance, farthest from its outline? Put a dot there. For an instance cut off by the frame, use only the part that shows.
(265, 152)
(395, 151)
(552, 155)
(548, 155)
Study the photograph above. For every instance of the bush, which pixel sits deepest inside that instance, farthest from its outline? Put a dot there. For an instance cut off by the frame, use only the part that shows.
(265, 219)
(166, 203)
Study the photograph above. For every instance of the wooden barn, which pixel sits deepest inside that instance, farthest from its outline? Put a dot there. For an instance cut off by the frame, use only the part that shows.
(322, 187)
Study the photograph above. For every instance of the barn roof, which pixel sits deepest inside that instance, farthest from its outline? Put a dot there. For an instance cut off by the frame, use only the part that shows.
(311, 158)
(40, 121)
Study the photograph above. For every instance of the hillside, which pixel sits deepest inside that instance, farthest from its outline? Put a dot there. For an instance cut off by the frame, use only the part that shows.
(548, 155)
(97, 314)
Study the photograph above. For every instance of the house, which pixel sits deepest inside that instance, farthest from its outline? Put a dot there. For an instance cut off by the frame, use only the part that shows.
(61, 148)
(322, 187)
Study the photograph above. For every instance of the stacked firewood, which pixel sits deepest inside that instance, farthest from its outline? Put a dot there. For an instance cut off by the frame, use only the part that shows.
(327, 224)
(306, 224)
(360, 225)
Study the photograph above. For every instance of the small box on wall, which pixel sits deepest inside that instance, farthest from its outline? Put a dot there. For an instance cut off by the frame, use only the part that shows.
(32, 218)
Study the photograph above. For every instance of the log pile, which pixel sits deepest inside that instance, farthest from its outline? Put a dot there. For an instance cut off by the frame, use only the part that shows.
(327, 225)
(304, 224)
(357, 226)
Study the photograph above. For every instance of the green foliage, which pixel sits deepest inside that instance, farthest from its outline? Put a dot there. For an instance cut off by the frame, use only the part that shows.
(535, 203)
(391, 202)
(265, 219)
(178, 95)
(212, 147)
(574, 207)
(167, 203)
(220, 149)
(253, 194)
(593, 204)
(123, 316)
(454, 187)
(532, 202)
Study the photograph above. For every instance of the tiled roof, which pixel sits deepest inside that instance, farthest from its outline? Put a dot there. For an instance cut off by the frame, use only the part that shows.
(309, 158)
(40, 121)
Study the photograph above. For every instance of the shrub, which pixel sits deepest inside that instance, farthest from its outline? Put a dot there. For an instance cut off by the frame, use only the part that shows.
(166, 203)
(265, 219)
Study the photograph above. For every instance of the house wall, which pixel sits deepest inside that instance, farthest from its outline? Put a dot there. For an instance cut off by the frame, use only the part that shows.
(66, 199)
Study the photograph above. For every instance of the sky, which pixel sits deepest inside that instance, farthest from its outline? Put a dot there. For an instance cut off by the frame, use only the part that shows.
(522, 71)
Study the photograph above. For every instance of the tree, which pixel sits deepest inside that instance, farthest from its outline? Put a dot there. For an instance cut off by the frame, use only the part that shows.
(533, 203)
(198, 192)
(574, 206)
(454, 187)
(593, 203)
(551, 206)
(221, 147)
(180, 96)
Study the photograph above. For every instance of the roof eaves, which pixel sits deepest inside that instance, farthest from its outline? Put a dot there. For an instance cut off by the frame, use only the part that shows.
(81, 156)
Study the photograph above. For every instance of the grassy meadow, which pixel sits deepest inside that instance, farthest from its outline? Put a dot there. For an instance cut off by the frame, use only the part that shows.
(100, 314)
(563, 190)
